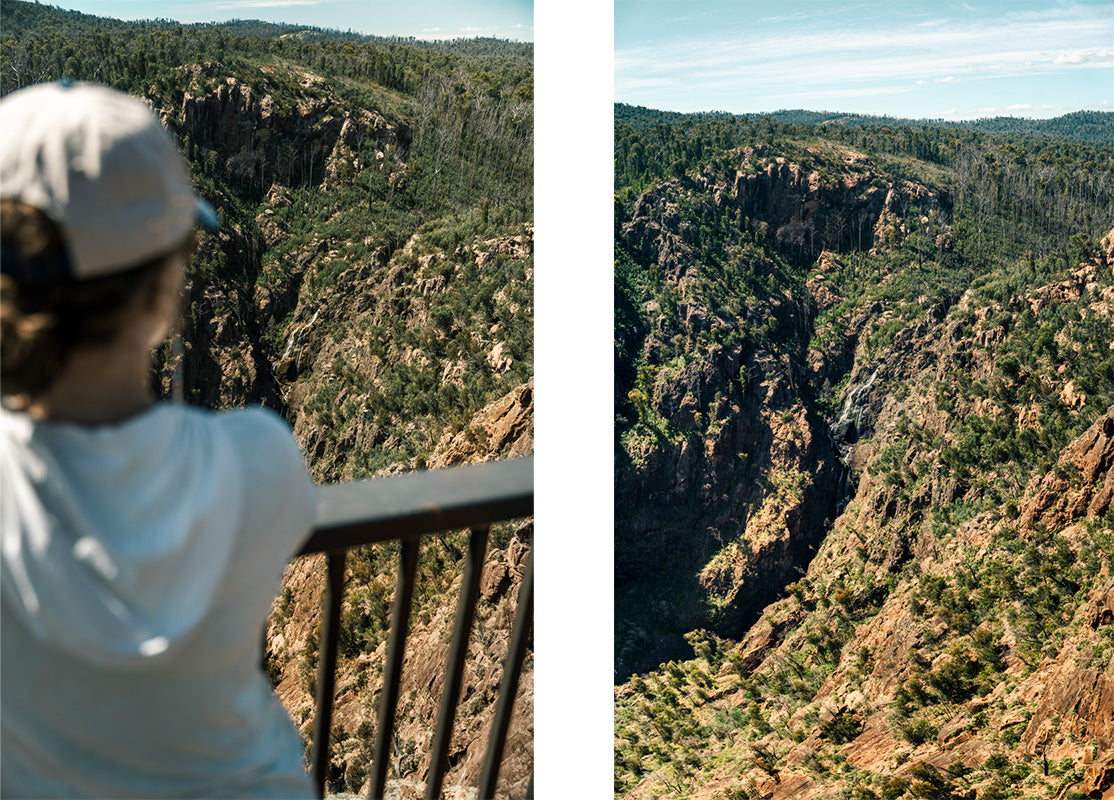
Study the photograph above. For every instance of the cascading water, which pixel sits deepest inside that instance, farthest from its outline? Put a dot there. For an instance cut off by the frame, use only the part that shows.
(295, 336)
(844, 432)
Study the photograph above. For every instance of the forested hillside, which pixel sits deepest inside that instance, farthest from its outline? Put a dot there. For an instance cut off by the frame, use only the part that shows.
(864, 460)
(372, 282)
(1096, 127)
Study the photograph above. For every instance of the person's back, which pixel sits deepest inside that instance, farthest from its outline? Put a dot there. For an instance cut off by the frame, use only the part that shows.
(142, 543)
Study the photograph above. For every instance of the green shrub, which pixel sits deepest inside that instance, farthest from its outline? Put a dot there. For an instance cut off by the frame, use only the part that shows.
(955, 679)
(929, 783)
(894, 787)
(918, 731)
(842, 728)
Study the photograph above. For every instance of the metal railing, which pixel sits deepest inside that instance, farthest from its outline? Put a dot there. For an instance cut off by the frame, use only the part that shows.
(406, 507)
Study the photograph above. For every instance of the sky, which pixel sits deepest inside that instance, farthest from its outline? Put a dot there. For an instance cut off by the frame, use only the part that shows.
(422, 19)
(945, 59)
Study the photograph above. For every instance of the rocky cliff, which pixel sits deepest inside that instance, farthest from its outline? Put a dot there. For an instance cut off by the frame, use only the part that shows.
(391, 339)
(733, 468)
(292, 638)
(863, 495)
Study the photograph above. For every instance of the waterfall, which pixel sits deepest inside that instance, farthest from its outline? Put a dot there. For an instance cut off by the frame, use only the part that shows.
(844, 432)
(294, 334)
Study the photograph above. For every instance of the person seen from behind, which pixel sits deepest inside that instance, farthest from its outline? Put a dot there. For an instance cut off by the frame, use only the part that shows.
(141, 542)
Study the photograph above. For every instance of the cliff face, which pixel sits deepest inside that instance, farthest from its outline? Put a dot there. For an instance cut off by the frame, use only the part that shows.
(734, 470)
(245, 140)
(292, 639)
(374, 329)
(390, 339)
(263, 140)
(910, 687)
(886, 490)
(345, 350)
(847, 204)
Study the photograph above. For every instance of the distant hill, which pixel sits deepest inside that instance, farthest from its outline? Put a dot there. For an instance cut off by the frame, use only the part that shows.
(1086, 126)
(35, 19)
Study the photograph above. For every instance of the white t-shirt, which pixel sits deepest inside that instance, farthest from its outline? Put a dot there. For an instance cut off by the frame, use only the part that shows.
(139, 562)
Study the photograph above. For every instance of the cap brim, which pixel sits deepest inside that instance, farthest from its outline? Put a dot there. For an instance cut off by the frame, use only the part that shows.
(207, 216)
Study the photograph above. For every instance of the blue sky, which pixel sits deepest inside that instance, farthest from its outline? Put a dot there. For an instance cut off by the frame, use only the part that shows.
(947, 59)
(425, 19)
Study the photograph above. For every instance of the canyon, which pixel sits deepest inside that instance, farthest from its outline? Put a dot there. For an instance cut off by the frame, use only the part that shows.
(863, 488)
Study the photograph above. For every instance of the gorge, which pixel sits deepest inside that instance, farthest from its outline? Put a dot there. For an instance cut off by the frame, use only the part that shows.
(863, 466)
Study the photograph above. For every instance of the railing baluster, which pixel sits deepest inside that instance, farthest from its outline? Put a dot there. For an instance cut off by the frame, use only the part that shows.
(458, 653)
(327, 666)
(404, 508)
(512, 669)
(392, 674)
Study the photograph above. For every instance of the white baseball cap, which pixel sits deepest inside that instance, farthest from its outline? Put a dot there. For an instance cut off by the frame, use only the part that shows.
(102, 167)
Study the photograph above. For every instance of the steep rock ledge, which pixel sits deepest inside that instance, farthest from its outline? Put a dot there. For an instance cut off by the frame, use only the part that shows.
(292, 640)
(732, 470)
(868, 593)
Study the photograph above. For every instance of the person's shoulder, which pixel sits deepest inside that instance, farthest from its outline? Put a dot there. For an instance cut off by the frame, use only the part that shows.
(273, 464)
(261, 436)
(257, 421)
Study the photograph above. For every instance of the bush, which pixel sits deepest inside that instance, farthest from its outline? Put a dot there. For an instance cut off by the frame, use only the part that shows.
(955, 680)
(355, 775)
(842, 728)
(308, 668)
(894, 787)
(919, 731)
(929, 783)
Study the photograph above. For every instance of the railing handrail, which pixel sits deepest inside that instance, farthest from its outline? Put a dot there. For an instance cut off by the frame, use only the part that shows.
(405, 507)
(415, 503)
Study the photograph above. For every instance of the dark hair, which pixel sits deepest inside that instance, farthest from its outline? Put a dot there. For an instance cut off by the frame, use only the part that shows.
(42, 322)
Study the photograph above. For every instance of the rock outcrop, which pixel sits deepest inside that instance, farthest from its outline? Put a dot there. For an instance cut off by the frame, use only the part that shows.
(740, 454)
(292, 637)
(503, 429)
(915, 488)
(1081, 487)
(258, 140)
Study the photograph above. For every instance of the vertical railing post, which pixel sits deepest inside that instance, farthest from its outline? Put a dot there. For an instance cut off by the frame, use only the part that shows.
(392, 674)
(458, 654)
(327, 666)
(512, 669)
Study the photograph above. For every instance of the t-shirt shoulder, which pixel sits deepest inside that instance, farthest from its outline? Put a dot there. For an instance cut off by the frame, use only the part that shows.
(278, 484)
(259, 425)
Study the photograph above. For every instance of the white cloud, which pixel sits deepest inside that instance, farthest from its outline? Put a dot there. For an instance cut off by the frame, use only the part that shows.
(691, 17)
(780, 58)
(1023, 109)
(1084, 57)
(851, 56)
(858, 91)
